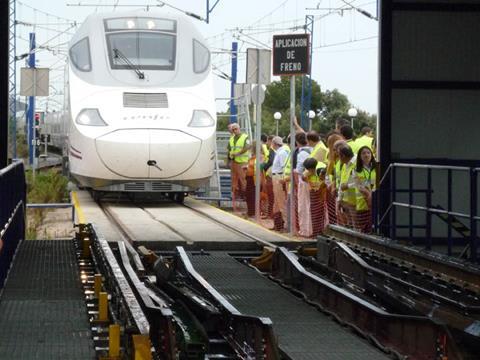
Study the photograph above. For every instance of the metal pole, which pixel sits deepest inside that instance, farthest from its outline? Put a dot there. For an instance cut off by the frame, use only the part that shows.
(292, 148)
(449, 209)
(31, 105)
(277, 121)
(4, 56)
(13, 75)
(428, 231)
(473, 214)
(233, 107)
(258, 131)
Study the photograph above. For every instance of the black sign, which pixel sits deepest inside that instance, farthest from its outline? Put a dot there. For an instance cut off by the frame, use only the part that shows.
(291, 54)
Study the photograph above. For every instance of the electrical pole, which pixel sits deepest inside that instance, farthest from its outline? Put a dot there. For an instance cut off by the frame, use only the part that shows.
(31, 105)
(291, 222)
(306, 99)
(4, 57)
(233, 81)
(13, 75)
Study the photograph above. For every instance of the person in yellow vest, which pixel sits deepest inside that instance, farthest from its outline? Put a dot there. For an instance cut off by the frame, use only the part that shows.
(265, 147)
(366, 178)
(319, 151)
(347, 133)
(314, 141)
(330, 176)
(346, 194)
(239, 146)
(314, 175)
(366, 138)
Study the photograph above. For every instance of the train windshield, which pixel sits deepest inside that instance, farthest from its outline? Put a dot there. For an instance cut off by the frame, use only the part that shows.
(146, 43)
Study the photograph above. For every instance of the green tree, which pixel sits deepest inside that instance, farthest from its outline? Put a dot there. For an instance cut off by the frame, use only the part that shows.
(331, 105)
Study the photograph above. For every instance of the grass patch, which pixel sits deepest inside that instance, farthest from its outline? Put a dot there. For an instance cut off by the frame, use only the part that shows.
(48, 187)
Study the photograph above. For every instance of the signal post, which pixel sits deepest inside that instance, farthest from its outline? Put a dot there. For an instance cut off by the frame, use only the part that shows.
(291, 58)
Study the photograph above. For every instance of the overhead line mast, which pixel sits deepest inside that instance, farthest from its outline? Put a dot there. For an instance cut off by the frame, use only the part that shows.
(12, 78)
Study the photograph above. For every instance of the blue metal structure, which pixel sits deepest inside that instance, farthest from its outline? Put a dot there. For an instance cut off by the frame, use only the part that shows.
(12, 76)
(31, 105)
(306, 100)
(233, 107)
(428, 192)
(12, 214)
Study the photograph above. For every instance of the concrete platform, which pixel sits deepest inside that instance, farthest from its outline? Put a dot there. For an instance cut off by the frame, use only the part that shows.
(88, 211)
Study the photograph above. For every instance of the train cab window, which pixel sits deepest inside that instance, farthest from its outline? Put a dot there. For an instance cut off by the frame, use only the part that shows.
(201, 57)
(154, 51)
(146, 43)
(80, 55)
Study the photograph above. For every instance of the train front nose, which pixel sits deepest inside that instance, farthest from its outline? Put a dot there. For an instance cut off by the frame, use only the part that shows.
(148, 153)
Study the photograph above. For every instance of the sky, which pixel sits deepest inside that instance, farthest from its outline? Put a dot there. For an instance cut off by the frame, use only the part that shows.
(345, 42)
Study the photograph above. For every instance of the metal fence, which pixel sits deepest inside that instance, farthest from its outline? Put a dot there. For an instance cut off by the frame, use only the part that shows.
(430, 206)
(12, 214)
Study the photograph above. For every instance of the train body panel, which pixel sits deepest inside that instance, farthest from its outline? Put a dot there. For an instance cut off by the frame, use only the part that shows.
(141, 102)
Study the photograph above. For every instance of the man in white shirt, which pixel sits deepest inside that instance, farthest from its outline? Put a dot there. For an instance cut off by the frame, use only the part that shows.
(282, 153)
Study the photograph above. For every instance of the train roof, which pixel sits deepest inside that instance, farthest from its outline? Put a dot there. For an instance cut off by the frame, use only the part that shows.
(93, 21)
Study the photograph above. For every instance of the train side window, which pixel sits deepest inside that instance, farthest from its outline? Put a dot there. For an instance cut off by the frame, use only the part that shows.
(80, 55)
(201, 57)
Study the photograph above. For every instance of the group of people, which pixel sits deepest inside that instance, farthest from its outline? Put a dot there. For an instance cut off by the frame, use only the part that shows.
(334, 177)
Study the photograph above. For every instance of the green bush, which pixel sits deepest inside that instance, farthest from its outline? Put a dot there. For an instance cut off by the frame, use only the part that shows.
(49, 187)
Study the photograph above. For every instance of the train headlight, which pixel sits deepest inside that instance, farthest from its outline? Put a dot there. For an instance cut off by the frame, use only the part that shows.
(201, 118)
(90, 117)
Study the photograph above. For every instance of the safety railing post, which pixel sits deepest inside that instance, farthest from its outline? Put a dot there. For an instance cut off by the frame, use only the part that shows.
(393, 196)
(449, 209)
(428, 230)
(410, 201)
(473, 214)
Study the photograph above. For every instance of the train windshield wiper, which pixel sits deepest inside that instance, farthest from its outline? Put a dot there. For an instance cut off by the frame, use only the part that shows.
(119, 55)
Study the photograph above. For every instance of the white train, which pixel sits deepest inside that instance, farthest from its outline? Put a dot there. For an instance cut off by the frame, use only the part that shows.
(140, 103)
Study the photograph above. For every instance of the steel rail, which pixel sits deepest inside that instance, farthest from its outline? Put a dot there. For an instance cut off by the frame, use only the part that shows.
(393, 331)
(232, 229)
(463, 273)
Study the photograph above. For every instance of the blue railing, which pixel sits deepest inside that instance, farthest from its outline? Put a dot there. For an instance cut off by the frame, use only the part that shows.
(12, 214)
(425, 193)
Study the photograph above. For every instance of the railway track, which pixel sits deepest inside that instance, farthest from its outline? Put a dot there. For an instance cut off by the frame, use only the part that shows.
(178, 281)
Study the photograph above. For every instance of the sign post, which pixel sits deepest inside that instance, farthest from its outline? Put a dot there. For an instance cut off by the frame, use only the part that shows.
(258, 72)
(290, 58)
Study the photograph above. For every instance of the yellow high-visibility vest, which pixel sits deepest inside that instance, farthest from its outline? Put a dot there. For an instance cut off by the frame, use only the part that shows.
(366, 178)
(266, 153)
(364, 141)
(337, 173)
(349, 195)
(236, 147)
(354, 146)
(313, 179)
(320, 147)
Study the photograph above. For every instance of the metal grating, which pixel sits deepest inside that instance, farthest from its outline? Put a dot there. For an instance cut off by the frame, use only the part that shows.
(304, 333)
(138, 186)
(145, 100)
(43, 305)
(159, 186)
